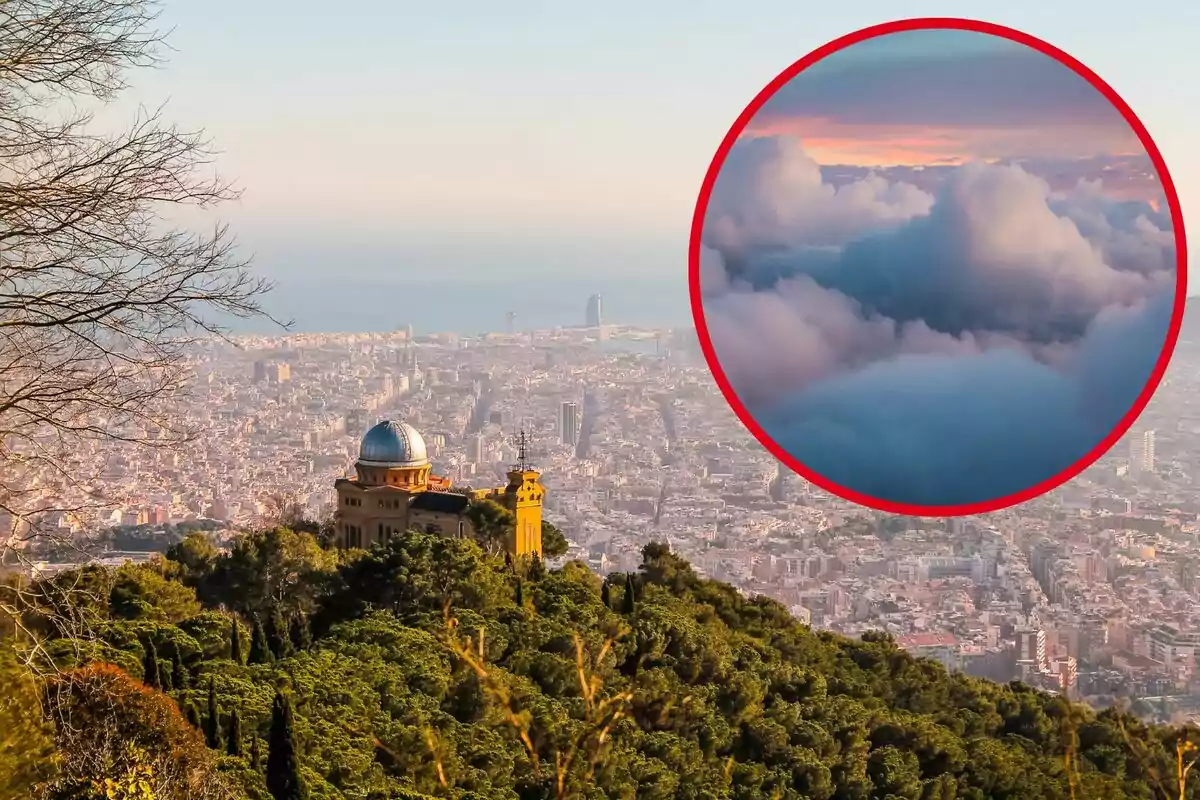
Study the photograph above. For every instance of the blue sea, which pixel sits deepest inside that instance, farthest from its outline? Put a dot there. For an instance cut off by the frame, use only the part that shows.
(465, 307)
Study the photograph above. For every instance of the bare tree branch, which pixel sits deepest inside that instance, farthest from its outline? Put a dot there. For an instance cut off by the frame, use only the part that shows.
(102, 291)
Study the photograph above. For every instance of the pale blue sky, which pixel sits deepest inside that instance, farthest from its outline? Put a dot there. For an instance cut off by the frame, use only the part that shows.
(532, 137)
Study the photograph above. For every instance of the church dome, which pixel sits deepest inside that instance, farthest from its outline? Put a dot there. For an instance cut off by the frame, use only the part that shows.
(392, 444)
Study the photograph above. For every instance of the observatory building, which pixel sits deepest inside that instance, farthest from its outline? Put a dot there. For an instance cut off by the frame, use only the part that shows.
(394, 491)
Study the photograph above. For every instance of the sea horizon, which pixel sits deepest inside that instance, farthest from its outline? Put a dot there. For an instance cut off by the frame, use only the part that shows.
(465, 307)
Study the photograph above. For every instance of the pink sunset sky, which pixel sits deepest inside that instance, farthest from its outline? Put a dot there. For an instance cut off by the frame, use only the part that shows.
(936, 98)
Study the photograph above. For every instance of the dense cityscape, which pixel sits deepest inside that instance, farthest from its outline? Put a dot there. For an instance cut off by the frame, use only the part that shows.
(1089, 591)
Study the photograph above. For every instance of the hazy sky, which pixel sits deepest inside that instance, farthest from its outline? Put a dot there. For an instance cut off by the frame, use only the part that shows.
(484, 139)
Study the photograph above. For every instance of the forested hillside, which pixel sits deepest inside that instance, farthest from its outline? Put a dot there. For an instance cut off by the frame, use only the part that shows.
(285, 669)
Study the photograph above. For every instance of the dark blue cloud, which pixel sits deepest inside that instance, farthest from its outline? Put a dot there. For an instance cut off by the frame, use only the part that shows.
(943, 430)
(935, 430)
(1009, 87)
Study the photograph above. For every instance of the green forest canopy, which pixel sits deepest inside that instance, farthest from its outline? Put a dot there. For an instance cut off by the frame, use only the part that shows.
(427, 667)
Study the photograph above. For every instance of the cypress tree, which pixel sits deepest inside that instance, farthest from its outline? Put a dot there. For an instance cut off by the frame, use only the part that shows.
(233, 740)
(520, 594)
(283, 762)
(259, 652)
(164, 677)
(537, 570)
(301, 633)
(150, 666)
(277, 635)
(235, 642)
(255, 753)
(508, 562)
(212, 726)
(606, 595)
(193, 716)
(179, 676)
(628, 605)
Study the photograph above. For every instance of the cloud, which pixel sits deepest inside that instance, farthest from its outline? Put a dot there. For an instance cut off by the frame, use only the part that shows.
(934, 430)
(933, 349)
(993, 254)
(951, 430)
(1132, 235)
(887, 100)
(1014, 87)
(770, 194)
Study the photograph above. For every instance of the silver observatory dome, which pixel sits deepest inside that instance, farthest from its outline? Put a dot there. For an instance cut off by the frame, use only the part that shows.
(392, 444)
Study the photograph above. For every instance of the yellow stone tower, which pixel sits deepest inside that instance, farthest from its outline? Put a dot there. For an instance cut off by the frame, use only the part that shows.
(523, 496)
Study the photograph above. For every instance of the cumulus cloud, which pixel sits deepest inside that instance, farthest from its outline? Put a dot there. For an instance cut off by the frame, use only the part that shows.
(770, 194)
(992, 254)
(1132, 235)
(932, 349)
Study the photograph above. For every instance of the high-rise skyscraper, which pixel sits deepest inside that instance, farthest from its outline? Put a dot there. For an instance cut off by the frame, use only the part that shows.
(568, 424)
(1031, 647)
(1141, 452)
(595, 317)
(475, 452)
(260, 371)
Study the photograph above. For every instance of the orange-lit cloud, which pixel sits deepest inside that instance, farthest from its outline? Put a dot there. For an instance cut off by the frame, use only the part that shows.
(831, 141)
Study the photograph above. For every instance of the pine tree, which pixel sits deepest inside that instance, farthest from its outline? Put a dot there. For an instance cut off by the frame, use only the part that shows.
(260, 653)
(235, 642)
(150, 666)
(277, 635)
(508, 562)
(606, 595)
(301, 633)
(520, 595)
(179, 676)
(193, 716)
(255, 753)
(212, 726)
(537, 570)
(628, 605)
(233, 740)
(283, 762)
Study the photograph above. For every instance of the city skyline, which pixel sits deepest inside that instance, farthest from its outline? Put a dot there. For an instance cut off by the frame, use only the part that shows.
(1089, 591)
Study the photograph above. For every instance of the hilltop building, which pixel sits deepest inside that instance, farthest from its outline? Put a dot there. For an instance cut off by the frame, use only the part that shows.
(394, 491)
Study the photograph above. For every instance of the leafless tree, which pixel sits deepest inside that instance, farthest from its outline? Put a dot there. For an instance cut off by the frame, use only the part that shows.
(102, 288)
(283, 509)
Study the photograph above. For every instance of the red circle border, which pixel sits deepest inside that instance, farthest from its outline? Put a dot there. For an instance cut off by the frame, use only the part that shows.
(1164, 176)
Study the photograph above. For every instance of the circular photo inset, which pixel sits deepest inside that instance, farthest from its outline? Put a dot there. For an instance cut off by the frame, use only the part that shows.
(937, 267)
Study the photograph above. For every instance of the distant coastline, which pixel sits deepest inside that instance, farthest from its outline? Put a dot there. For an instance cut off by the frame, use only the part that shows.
(432, 306)
(467, 308)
